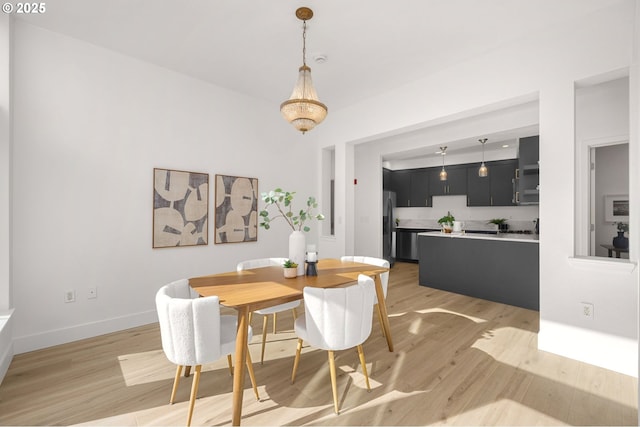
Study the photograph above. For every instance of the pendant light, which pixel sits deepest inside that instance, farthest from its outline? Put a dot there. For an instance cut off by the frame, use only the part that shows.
(443, 173)
(303, 109)
(483, 171)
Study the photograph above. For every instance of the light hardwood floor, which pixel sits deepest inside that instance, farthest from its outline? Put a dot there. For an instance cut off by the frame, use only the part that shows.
(457, 361)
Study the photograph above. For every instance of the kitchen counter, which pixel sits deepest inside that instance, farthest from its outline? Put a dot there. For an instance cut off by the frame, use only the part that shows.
(496, 267)
(505, 237)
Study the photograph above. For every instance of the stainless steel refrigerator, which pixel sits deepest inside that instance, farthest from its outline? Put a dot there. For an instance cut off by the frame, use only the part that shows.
(388, 227)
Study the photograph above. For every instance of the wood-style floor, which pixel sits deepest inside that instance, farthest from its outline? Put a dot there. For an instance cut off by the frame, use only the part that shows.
(457, 361)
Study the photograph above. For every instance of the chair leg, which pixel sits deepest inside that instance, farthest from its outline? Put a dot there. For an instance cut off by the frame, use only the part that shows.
(296, 360)
(364, 366)
(274, 322)
(250, 316)
(264, 336)
(230, 363)
(176, 381)
(380, 320)
(334, 386)
(187, 371)
(295, 313)
(194, 392)
(252, 375)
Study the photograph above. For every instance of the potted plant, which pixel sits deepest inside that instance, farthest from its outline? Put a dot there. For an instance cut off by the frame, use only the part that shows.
(447, 222)
(621, 241)
(501, 223)
(290, 269)
(282, 202)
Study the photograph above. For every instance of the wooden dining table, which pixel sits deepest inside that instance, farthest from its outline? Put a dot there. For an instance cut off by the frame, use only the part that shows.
(258, 288)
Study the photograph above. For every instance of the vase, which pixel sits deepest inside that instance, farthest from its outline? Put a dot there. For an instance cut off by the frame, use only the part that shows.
(290, 272)
(297, 249)
(621, 242)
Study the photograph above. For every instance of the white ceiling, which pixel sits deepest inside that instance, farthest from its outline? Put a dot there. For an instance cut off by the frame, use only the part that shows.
(255, 46)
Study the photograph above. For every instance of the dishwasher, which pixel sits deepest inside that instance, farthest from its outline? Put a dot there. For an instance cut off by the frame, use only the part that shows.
(407, 243)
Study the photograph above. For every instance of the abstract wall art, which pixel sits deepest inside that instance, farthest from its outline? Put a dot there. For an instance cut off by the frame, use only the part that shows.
(180, 208)
(236, 217)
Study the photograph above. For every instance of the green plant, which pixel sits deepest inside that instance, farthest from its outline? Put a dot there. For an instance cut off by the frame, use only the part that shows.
(289, 264)
(282, 201)
(447, 219)
(622, 226)
(497, 221)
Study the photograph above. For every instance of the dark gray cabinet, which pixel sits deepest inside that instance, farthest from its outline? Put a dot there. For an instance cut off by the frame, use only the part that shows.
(495, 189)
(456, 183)
(401, 184)
(502, 175)
(478, 188)
(420, 188)
(415, 187)
(411, 187)
(528, 171)
(386, 179)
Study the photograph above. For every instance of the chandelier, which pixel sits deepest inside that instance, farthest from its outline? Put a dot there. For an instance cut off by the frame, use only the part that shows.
(303, 109)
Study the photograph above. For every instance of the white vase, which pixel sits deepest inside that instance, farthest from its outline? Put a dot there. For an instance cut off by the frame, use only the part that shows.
(297, 248)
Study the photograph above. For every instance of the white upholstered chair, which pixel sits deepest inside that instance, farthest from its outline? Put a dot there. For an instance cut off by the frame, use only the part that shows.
(336, 319)
(266, 262)
(384, 277)
(194, 333)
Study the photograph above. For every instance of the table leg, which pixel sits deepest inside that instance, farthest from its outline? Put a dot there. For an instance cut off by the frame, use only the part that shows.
(610, 253)
(238, 369)
(383, 312)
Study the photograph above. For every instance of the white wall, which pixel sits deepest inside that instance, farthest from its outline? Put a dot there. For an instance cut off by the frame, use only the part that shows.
(89, 127)
(546, 64)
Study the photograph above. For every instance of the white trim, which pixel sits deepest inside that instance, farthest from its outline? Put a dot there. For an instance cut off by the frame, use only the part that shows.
(599, 263)
(6, 344)
(77, 332)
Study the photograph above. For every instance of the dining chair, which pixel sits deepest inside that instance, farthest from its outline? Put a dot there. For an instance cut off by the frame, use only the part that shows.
(384, 277)
(266, 262)
(336, 319)
(194, 333)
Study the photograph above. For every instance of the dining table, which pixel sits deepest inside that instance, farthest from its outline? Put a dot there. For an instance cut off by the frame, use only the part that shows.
(259, 288)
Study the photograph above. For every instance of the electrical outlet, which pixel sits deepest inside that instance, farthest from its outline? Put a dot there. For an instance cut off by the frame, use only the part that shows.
(70, 295)
(587, 310)
(92, 293)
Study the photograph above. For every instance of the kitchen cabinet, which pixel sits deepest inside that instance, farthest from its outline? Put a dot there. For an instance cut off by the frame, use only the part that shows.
(386, 179)
(487, 267)
(528, 176)
(478, 188)
(456, 183)
(420, 188)
(401, 184)
(496, 189)
(411, 187)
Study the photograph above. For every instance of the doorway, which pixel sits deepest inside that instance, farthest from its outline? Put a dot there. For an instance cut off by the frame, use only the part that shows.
(609, 188)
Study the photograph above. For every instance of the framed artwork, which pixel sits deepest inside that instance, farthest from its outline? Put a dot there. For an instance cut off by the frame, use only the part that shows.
(236, 217)
(616, 208)
(180, 208)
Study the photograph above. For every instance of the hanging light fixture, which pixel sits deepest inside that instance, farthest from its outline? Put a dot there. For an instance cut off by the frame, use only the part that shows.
(483, 171)
(443, 173)
(303, 109)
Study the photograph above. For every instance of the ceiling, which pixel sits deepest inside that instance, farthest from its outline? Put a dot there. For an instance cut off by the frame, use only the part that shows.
(255, 46)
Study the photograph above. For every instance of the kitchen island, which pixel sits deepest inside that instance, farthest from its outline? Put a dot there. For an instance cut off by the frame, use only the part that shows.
(495, 267)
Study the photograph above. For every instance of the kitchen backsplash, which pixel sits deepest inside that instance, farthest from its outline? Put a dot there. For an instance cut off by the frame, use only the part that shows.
(518, 217)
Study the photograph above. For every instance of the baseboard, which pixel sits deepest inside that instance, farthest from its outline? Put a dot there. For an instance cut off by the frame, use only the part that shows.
(608, 351)
(6, 343)
(78, 332)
